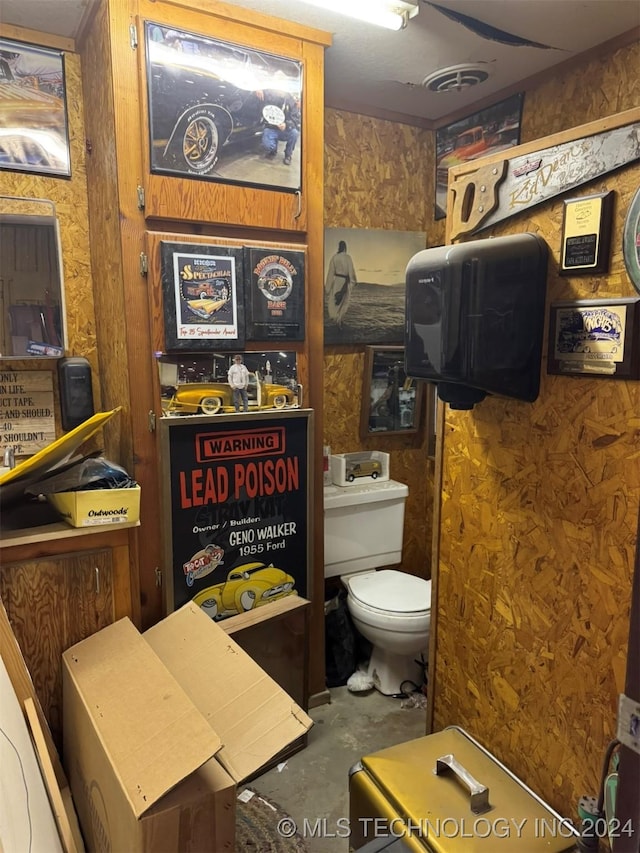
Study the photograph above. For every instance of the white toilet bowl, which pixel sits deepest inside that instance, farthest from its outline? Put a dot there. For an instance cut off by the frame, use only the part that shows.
(393, 611)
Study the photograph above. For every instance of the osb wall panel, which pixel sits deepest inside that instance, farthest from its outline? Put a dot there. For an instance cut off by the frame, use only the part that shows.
(378, 175)
(537, 539)
(602, 87)
(70, 198)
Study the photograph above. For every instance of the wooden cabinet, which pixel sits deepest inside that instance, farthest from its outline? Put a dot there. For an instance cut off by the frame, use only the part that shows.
(56, 596)
(53, 603)
(129, 201)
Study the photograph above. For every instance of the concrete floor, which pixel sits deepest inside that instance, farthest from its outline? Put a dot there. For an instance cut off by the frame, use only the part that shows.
(313, 786)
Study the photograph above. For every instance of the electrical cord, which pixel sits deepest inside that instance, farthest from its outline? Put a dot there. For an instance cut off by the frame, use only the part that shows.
(605, 772)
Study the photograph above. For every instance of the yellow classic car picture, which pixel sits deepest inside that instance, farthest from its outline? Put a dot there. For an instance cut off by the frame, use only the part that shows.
(247, 586)
(209, 398)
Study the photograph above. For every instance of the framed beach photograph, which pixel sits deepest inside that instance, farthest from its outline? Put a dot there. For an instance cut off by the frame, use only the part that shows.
(493, 129)
(364, 273)
(203, 296)
(222, 112)
(392, 402)
(34, 133)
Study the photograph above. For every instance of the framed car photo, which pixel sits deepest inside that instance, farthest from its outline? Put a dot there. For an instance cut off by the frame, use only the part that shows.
(222, 112)
(203, 296)
(34, 135)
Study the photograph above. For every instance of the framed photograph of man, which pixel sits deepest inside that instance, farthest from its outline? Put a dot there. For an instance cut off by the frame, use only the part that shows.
(222, 112)
(490, 130)
(33, 110)
(203, 296)
(364, 273)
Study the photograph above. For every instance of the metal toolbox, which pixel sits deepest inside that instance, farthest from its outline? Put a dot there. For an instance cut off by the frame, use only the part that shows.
(446, 793)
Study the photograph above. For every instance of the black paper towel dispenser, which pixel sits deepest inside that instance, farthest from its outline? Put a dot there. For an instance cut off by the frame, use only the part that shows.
(475, 318)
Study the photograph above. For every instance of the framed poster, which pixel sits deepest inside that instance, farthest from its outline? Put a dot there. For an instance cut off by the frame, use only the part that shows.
(222, 112)
(33, 110)
(392, 402)
(490, 130)
(365, 284)
(203, 296)
(274, 294)
(595, 337)
(236, 496)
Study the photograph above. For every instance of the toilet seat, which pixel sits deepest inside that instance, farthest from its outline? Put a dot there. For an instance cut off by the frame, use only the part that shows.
(389, 591)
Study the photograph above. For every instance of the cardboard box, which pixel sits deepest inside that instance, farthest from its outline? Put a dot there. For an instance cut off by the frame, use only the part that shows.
(351, 469)
(159, 728)
(97, 506)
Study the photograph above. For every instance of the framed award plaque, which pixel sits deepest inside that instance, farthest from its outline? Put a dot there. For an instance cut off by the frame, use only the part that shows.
(586, 234)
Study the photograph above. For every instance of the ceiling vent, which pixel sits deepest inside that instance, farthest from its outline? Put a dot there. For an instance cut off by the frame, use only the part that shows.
(456, 77)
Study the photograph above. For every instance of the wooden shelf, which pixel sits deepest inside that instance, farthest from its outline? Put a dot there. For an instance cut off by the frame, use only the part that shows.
(57, 531)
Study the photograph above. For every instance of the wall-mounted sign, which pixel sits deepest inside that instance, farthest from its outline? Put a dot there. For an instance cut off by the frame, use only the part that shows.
(203, 296)
(275, 294)
(586, 234)
(27, 421)
(595, 338)
(236, 498)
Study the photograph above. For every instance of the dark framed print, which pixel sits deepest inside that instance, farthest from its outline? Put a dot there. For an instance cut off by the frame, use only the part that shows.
(203, 296)
(274, 294)
(586, 234)
(391, 400)
(595, 337)
(485, 132)
(34, 133)
(222, 112)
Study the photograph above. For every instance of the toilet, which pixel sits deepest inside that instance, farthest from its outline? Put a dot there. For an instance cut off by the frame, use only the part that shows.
(363, 532)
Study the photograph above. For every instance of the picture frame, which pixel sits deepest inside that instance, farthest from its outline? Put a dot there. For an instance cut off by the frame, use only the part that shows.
(274, 294)
(202, 296)
(481, 133)
(218, 110)
(631, 241)
(392, 402)
(32, 83)
(586, 234)
(365, 285)
(595, 337)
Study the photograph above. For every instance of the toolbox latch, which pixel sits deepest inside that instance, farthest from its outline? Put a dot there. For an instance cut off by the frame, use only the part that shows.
(478, 793)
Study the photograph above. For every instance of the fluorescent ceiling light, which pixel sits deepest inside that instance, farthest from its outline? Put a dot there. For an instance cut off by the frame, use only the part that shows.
(393, 14)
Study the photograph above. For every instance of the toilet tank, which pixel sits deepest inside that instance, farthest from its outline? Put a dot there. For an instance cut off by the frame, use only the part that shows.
(363, 526)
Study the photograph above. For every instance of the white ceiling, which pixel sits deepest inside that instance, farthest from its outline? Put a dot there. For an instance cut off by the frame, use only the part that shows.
(375, 70)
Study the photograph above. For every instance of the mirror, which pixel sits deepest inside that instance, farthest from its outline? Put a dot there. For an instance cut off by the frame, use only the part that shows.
(391, 400)
(31, 287)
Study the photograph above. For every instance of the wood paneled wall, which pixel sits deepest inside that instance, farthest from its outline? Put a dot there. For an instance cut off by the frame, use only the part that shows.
(538, 517)
(70, 198)
(378, 174)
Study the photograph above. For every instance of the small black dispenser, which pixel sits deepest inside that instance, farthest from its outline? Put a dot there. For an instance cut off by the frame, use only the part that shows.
(475, 318)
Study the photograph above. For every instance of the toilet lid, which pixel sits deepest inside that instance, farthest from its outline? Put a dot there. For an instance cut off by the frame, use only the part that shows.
(393, 591)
